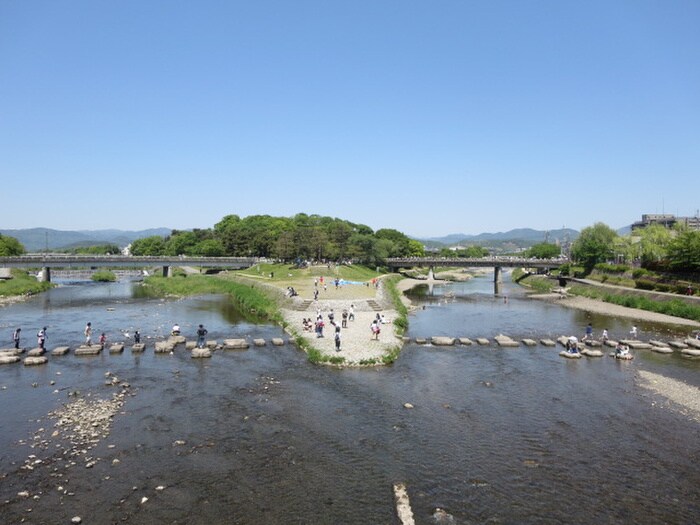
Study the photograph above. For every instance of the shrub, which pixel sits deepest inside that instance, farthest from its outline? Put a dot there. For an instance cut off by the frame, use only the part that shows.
(640, 272)
(104, 276)
(644, 284)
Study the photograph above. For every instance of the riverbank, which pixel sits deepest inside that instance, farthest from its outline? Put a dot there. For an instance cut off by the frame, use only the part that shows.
(601, 307)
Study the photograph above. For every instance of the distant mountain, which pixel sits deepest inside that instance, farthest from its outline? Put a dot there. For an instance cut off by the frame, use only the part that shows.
(40, 239)
(521, 235)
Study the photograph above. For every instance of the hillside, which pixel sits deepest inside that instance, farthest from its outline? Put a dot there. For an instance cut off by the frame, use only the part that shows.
(40, 239)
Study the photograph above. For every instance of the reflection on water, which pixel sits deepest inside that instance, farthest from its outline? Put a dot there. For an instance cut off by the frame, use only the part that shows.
(496, 436)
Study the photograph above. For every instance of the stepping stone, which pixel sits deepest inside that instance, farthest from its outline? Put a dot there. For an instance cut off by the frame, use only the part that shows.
(164, 347)
(36, 360)
(190, 345)
(235, 344)
(692, 352)
(662, 350)
(60, 350)
(695, 343)
(483, 341)
(637, 345)
(35, 352)
(442, 341)
(569, 355)
(259, 342)
(211, 344)
(11, 351)
(548, 342)
(593, 344)
(177, 340)
(198, 353)
(529, 342)
(678, 344)
(611, 343)
(506, 342)
(421, 341)
(278, 341)
(592, 353)
(88, 350)
(138, 348)
(116, 348)
(465, 341)
(7, 359)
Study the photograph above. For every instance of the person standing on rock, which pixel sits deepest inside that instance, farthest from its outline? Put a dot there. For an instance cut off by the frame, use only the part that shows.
(201, 334)
(137, 337)
(15, 337)
(41, 338)
(88, 334)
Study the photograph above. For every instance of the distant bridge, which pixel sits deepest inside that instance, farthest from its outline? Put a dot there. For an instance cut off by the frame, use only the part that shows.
(47, 261)
(497, 263)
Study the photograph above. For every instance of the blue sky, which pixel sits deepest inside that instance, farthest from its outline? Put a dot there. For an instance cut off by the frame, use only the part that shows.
(429, 117)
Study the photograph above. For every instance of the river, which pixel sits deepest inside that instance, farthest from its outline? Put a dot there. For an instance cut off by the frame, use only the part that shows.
(262, 436)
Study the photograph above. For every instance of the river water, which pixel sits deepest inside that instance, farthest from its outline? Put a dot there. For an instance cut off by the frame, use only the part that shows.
(262, 436)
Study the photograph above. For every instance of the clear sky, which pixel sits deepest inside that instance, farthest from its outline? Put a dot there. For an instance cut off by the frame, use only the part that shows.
(431, 117)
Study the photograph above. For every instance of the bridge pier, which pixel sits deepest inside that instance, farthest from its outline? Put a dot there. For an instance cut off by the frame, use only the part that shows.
(497, 280)
(167, 271)
(45, 274)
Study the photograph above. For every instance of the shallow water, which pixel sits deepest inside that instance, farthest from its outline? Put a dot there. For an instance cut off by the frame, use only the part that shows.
(495, 436)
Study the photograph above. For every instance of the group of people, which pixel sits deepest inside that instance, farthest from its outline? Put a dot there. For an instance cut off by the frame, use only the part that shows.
(87, 332)
(604, 336)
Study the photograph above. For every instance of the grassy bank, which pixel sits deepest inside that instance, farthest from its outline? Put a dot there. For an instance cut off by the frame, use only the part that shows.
(672, 307)
(22, 284)
(537, 283)
(247, 297)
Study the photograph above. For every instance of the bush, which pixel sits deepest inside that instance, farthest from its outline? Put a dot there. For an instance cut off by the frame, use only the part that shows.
(644, 284)
(104, 276)
(640, 272)
(611, 268)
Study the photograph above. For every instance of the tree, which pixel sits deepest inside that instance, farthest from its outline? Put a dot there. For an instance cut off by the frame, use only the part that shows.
(684, 251)
(595, 244)
(653, 243)
(544, 250)
(148, 246)
(9, 246)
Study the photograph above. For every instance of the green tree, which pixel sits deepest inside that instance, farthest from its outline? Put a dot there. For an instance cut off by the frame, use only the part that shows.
(544, 250)
(654, 242)
(9, 246)
(684, 251)
(208, 248)
(148, 246)
(595, 244)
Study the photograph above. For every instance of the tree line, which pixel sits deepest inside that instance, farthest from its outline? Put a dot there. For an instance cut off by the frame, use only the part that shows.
(297, 238)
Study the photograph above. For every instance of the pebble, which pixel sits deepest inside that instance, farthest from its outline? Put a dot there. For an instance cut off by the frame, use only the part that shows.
(76, 519)
(144, 500)
(407, 405)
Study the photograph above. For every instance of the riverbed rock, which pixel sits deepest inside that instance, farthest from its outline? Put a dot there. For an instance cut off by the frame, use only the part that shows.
(442, 341)
(9, 359)
(506, 341)
(37, 360)
(198, 353)
(548, 342)
(88, 350)
(138, 348)
(235, 344)
(116, 348)
(278, 341)
(164, 347)
(570, 355)
(529, 342)
(483, 341)
(60, 350)
(465, 341)
(259, 342)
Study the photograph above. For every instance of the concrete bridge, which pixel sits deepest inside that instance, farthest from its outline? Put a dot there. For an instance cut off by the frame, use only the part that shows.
(497, 263)
(45, 262)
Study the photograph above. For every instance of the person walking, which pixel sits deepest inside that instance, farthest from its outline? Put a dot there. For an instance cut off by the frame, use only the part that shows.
(15, 337)
(41, 338)
(201, 334)
(375, 329)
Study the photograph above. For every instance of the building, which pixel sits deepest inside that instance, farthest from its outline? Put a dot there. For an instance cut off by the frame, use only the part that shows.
(666, 220)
